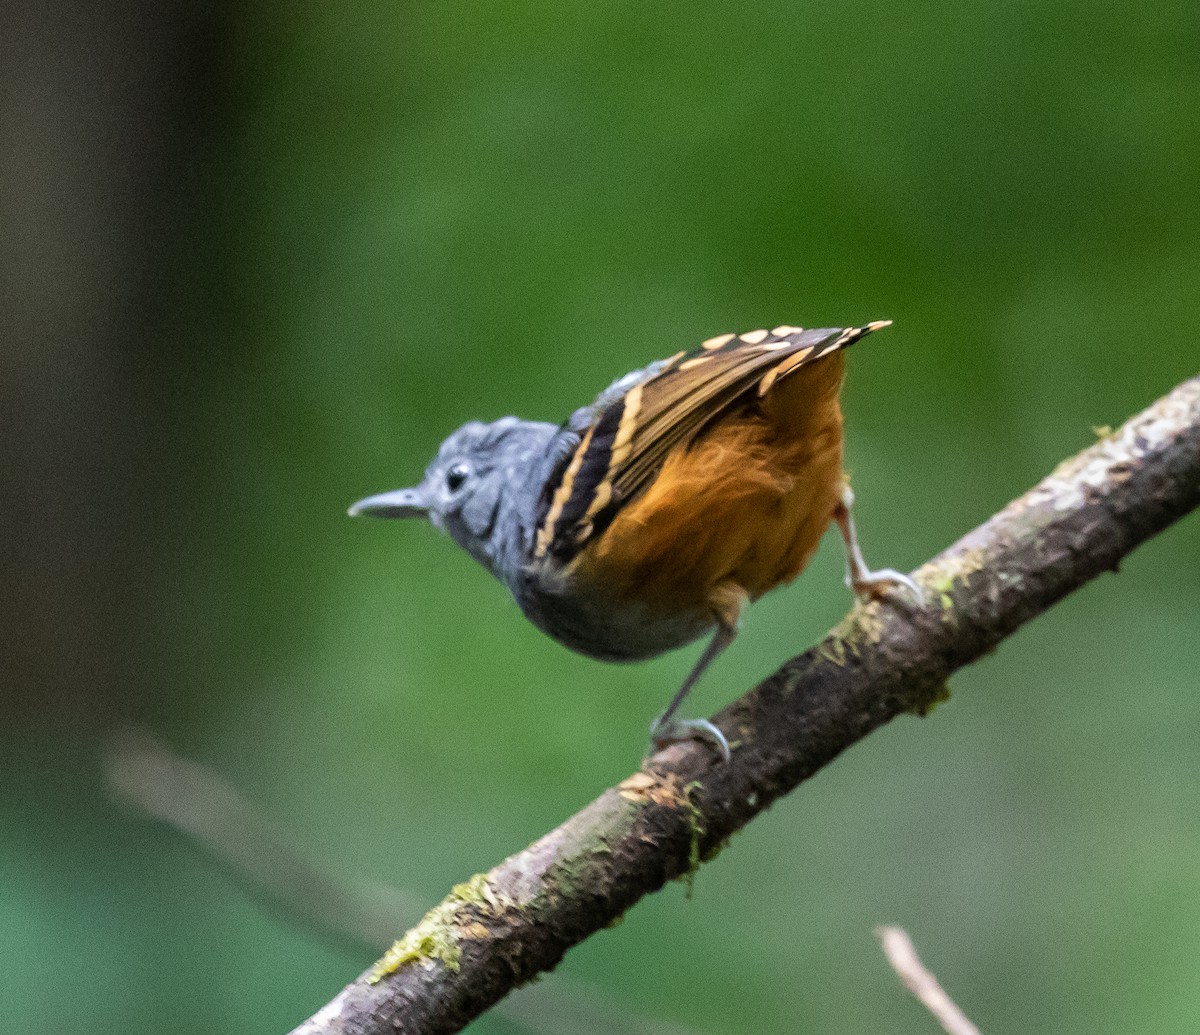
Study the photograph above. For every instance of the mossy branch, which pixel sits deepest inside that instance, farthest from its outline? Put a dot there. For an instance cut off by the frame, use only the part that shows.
(888, 657)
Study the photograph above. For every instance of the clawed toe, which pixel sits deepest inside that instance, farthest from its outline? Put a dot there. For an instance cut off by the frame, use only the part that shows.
(679, 731)
(876, 583)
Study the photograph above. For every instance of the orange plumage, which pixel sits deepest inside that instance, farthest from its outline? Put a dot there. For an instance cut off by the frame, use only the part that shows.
(745, 503)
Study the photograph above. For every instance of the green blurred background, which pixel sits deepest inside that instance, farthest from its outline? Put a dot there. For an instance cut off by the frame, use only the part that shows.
(260, 260)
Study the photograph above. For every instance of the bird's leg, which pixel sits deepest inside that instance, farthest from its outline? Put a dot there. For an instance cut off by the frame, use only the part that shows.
(859, 577)
(727, 602)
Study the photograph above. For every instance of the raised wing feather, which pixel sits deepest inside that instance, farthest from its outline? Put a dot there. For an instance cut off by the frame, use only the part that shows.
(638, 422)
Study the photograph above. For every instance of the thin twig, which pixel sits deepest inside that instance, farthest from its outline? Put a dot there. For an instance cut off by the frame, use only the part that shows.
(265, 860)
(902, 955)
(887, 658)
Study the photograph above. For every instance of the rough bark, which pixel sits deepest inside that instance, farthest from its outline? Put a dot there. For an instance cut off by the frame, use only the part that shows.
(887, 657)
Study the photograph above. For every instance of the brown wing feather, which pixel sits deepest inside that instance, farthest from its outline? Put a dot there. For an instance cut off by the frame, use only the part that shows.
(628, 442)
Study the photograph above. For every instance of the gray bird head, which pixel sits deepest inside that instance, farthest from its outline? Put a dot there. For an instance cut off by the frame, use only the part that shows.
(472, 488)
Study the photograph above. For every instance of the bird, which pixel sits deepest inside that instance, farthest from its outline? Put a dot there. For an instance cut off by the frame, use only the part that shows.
(655, 515)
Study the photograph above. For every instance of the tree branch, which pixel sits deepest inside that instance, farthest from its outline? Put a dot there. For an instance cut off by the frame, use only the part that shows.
(269, 863)
(888, 657)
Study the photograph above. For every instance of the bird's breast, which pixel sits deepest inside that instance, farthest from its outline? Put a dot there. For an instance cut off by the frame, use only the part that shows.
(590, 620)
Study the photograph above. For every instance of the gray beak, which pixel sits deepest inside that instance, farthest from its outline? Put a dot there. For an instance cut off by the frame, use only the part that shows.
(400, 503)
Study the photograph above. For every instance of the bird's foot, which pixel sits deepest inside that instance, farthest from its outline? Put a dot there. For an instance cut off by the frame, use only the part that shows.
(679, 731)
(865, 582)
(872, 584)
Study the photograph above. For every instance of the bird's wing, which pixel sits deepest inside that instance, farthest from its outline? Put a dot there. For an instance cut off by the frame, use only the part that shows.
(636, 423)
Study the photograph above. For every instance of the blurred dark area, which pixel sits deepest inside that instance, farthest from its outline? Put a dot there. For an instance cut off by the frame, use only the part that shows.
(110, 116)
(257, 262)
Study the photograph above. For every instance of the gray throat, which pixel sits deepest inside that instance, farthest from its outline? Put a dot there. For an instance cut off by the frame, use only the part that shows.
(521, 472)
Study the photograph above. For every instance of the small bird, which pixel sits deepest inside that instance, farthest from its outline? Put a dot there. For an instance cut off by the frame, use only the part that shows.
(652, 517)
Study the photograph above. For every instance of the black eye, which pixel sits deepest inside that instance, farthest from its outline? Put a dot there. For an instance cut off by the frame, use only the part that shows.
(456, 476)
